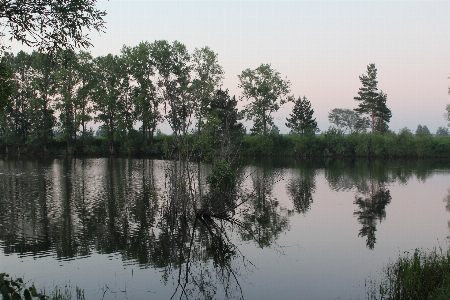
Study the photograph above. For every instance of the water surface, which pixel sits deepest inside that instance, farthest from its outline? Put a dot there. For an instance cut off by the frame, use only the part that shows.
(292, 229)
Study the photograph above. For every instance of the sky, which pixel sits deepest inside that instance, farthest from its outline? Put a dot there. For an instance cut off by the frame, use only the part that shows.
(321, 47)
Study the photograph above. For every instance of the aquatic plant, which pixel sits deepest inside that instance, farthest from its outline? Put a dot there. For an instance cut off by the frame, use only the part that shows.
(420, 275)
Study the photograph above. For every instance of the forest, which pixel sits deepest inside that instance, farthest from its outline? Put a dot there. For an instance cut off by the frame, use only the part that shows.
(56, 98)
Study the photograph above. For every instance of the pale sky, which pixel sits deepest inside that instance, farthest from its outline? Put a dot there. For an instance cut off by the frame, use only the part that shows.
(321, 47)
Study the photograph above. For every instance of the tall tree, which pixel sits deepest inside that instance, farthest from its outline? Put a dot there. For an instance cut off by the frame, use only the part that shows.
(111, 99)
(16, 122)
(382, 114)
(84, 91)
(301, 119)
(266, 90)
(48, 24)
(368, 95)
(173, 80)
(142, 71)
(6, 85)
(348, 120)
(67, 81)
(206, 78)
(222, 125)
(41, 111)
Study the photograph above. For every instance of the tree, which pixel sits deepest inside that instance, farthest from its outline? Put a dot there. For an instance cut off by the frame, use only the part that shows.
(17, 124)
(348, 120)
(301, 120)
(49, 24)
(267, 91)
(382, 114)
(442, 131)
(41, 111)
(373, 102)
(222, 126)
(173, 79)
(111, 100)
(206, 78)
(143, 93)
(422, 130)
(372, 208)
(67, 80)
(6, 84)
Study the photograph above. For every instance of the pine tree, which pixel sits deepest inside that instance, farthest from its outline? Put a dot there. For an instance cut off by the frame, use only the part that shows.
(301, 120)
(382, 114)
(368, 94)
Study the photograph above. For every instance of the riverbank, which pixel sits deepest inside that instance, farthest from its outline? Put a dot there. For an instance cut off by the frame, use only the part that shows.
(328, 144)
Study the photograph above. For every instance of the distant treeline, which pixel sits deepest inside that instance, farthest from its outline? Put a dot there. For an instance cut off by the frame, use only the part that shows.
(331, 143)
(53, 98)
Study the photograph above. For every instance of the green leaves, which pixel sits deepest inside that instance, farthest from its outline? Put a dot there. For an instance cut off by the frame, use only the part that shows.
(301, 120)
(373, 102)
(50, 25)
(267, 90)
(12, 289)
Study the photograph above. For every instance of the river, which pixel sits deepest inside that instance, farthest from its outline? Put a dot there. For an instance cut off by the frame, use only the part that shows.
(287, 229)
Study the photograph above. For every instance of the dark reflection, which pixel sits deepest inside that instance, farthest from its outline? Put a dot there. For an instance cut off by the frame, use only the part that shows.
(194, 246)
(371, 208)
(263, 214)
(301, 187)
(183, 219)
(369, 179)
(447, 205)
(149, 211)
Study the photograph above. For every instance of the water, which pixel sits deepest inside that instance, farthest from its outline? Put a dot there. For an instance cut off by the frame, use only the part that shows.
(305, 229)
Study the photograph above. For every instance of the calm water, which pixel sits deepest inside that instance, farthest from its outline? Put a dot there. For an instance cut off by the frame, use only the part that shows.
(291, 229)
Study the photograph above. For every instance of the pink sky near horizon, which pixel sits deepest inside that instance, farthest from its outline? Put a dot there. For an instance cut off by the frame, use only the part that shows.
(321, 47)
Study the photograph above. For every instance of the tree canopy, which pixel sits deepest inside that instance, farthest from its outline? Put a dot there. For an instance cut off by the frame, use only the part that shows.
(348, 120)
(268, 91)
(372, 102)
(301, 119)
(49, 25)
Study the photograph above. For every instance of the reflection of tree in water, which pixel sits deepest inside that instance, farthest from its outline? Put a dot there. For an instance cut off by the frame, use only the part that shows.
(194, 246)
(263, 215)
(372, 207)
(73, 207)
(447, 205)
(301, 188)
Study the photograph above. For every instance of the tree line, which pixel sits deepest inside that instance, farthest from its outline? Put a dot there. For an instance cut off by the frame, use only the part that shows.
(130, 94)
(53, 98)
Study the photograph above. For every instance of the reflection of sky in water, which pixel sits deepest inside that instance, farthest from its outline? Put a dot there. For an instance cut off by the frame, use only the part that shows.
(319, 256)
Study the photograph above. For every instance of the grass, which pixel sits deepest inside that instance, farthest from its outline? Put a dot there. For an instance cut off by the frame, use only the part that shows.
(420, 275)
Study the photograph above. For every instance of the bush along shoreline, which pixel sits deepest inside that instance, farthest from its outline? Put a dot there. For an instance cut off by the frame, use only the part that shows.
(329, 144)
(414, 276)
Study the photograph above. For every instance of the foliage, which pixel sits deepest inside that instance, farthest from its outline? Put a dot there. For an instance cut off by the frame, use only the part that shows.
(267, 90)
(222, 126)
(207, 77)
(143, 93)
(49, 25)
(41, 109)
(222, 177)
(423, 130)
(348, 120)
(372, 102)
(113, 106)
(301, 119)
(173, 78)
(422, 275)
(442, 131)
(382, 114)
(6, 85)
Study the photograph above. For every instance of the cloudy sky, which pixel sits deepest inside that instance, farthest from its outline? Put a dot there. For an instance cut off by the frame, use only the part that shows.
(321, 47)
